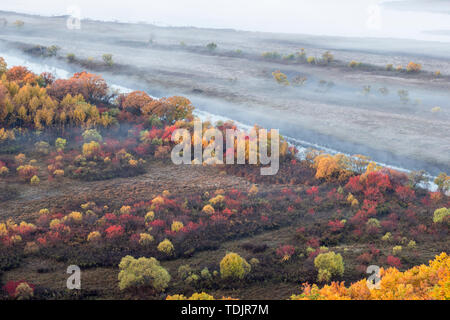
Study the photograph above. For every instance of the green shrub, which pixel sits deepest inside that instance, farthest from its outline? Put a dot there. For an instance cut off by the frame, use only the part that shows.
(443, 182)
(328, 265)
(354, 64)
(142, 272)
(387, 237)
(271, 55)
(107, 59)
(411, 244)
(60, 143)
(211, 46)
(52, 51)
(166, 247)
(3, 66)
(155, 121)
(254, 262)
(184, 271)
(205, 274)
(70, 57)
(289, 57)
(233, 266)
(193, 278)
(373, 222)
(35, 180)
(311, 60)
(92, 135)
(327, 57)
(441, 215)
(280, 77)
(397, 250)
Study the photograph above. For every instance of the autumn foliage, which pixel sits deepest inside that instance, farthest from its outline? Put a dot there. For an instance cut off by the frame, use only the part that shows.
(424, 282)
(325, 211)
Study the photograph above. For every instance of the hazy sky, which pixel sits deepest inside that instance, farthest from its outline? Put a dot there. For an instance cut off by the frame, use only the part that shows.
(331, 17)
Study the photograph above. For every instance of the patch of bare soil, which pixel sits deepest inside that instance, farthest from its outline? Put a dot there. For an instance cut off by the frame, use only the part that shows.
(69, 194)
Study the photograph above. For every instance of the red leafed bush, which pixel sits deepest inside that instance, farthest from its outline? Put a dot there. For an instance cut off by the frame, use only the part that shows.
(25, 229)
(394, 262)
(313, 243)
(18, 73)
(366, 257)
(227, 212)
(11, 286)
(378, 180)
(335, 225)
(285, 251)
(354, 185)
(130, 222)
(109, 217)
(390, 223)
(372, 183)
(134, 101)
(114, 232)
(313, 191)
(373, 194)
(367, 210)
(333, 195)
(168, 131)
(53, 238)
(190, 227)
(158, 223)
(405, 193)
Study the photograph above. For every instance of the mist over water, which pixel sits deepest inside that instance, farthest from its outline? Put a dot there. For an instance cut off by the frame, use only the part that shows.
(419, 20)
(215, 112)
(352, 18)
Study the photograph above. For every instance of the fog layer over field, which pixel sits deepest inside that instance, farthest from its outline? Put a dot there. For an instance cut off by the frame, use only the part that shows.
(337, 107)
(350, 18)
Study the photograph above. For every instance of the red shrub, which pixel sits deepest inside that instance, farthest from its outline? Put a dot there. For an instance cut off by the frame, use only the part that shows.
(313, 243)
(394, 262)
(378, 180)
(285, 251)
(373, 194)
(191, 226)
(354, 185)
(405, 193)
(11, 286)
(114, 232)
(366, 257)
(18, 73)
(313, 191)
(335, 225)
